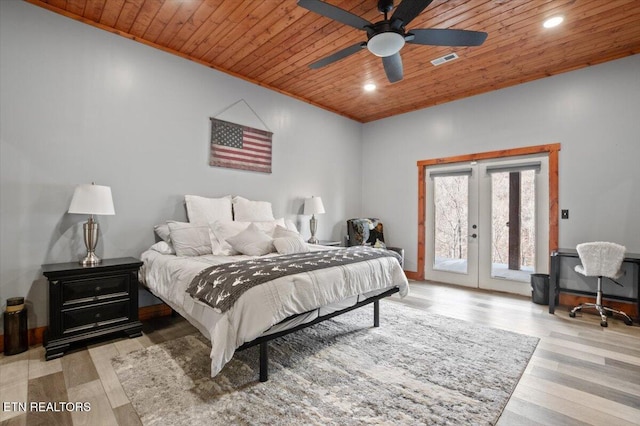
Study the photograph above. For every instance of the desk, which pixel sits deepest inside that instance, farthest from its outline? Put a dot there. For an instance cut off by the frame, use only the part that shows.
(563, 278)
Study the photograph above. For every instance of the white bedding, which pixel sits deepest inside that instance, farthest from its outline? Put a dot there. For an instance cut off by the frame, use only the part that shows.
(263, 306)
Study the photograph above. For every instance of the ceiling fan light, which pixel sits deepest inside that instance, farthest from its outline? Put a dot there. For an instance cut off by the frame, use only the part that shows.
(385, 44)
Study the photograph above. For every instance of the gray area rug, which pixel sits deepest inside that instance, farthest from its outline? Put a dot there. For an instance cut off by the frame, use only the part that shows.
(417, 368)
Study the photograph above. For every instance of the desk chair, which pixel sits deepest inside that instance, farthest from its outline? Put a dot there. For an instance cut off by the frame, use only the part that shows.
(601, 259)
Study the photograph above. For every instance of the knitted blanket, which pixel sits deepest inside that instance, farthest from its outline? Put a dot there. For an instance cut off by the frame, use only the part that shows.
(220, 286)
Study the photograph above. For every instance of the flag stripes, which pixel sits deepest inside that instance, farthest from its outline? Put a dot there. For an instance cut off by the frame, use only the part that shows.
(240, 147)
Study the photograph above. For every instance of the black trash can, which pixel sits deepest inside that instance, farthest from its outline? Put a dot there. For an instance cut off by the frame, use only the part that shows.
(16, 337)
(540, 289)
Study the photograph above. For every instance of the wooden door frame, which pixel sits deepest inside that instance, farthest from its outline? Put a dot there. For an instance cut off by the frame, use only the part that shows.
(551, 149)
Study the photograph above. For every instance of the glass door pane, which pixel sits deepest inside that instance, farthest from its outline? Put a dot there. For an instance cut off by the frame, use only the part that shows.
(513, 249)
(451, 195)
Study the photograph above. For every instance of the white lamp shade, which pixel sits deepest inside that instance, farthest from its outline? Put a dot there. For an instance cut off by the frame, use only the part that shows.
(92, 199)
(385, 44)
(313, 205)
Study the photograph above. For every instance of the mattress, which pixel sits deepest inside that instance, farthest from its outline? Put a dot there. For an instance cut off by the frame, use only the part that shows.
(262, 309)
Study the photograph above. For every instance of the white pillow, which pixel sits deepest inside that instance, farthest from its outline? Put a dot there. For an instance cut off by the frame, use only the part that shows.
(221, 230)
(290, 225)
(189, 239)
(163, 247)
(288, 242)
(162, 231)
(201, 210)
(290, 245)
(280, 232)
(252, 242)
(251, 211)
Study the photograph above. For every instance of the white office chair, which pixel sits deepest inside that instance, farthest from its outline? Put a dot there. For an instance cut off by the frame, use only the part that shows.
(601, 259)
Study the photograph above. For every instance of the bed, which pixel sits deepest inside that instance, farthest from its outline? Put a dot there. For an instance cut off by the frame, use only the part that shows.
(283, 303)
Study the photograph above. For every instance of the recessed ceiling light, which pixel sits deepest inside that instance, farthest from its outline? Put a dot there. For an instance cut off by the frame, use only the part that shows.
(369, 87)
(553, 22)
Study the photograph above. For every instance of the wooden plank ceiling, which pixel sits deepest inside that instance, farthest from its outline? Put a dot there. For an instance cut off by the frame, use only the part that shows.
(272, 43)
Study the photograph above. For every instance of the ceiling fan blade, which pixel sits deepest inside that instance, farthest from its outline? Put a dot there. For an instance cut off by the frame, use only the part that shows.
(446, 37)
(393, 67)
(340, 54)
(407, 11)
(335, 13)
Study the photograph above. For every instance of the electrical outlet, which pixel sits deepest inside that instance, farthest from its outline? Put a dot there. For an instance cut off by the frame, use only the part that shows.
(565, 214)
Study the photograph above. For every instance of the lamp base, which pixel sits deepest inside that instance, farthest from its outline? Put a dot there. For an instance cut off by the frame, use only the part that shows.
(313, 227)
(91, 260)
(90, 231)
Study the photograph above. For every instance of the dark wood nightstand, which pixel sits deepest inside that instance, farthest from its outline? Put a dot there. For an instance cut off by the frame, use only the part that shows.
(91, 301)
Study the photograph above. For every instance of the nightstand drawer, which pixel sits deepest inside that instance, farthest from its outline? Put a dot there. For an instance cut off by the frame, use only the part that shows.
(94, 289)
(95, 316)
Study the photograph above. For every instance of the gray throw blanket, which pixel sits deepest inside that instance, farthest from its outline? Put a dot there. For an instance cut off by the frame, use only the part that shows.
(220, 286)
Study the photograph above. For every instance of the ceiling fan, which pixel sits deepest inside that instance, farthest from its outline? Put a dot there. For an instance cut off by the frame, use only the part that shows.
(387, 37)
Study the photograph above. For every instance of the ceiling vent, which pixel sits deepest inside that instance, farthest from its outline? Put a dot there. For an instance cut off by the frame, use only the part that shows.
(445, 58)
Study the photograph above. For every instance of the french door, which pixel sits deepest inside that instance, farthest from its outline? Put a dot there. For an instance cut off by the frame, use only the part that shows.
(487, 222)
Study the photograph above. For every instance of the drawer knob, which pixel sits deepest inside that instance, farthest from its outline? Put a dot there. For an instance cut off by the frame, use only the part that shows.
(98, 289)
(97, 316)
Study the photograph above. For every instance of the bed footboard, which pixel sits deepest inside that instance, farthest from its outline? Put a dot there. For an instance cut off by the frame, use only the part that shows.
(263, 341)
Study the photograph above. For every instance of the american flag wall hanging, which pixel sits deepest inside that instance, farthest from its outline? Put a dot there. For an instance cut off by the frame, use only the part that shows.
(240, 147)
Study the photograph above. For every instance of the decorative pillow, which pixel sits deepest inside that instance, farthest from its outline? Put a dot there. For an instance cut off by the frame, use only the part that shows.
(189, 239)
(201, 210)
(163, 247)
(162, 231)
(290, 225)
(251, 211)
(290, 245)
(269, 226)
(221, 230)
(280, 232)
(365, 231)
(376, 235)
(252, 242)
(288, 242)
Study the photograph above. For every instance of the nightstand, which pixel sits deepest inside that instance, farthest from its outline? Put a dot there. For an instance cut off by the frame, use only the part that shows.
(91, 301)
(328, 243)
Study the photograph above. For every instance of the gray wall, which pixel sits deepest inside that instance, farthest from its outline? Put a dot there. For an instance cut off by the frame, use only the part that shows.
(594, 113)
(80, 104)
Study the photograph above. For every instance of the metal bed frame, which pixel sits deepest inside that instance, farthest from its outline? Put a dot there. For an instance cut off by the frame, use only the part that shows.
(264, 340)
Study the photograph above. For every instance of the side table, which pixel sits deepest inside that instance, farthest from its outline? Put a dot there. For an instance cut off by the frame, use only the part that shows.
(329, 243)
(91, 301)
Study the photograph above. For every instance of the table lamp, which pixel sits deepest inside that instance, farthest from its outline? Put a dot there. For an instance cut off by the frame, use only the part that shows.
(313, 206)
(91, 199)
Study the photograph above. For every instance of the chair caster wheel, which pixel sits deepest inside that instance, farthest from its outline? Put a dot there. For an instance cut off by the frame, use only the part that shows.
(604, 324)
(628, 321)
(572, 314)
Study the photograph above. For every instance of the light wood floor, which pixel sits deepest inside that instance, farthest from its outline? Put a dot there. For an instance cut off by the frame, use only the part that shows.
(579, 374)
